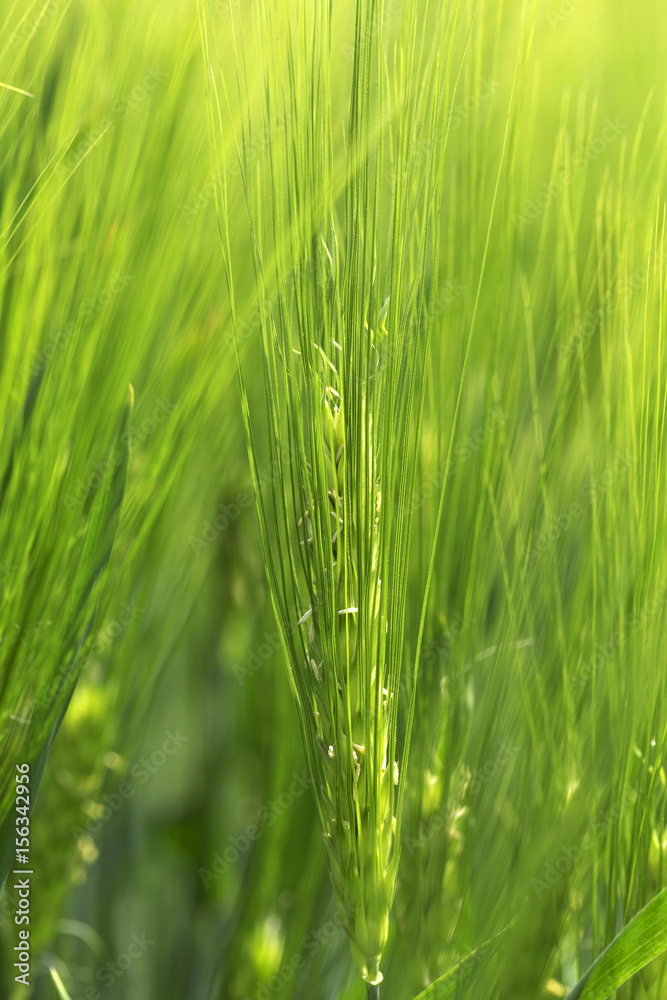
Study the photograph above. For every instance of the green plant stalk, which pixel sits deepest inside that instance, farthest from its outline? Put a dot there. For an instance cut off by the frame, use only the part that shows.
(345, 358)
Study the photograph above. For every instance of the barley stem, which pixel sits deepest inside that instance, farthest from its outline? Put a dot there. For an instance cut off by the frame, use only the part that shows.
(372, 991)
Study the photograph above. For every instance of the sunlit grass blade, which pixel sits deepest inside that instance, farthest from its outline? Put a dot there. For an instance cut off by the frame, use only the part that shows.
(58, 983)
(455, 983)
(642, 940)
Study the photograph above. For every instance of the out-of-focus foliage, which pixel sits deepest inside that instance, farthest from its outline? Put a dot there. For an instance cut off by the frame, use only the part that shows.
(172, 808)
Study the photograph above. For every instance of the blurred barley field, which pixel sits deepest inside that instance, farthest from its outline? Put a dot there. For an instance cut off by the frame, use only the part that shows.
(175, 847)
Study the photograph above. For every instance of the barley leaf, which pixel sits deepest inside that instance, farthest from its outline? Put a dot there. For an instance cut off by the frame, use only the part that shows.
(8, 826)
(102, 529)
(459, 979)
(80, 615)
(81, 609)
(644, 938)
(60, 986)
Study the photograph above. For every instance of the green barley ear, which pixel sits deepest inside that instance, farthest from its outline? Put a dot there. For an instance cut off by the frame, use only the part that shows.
(345, 317)
(61, 848)
(358, 829)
